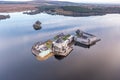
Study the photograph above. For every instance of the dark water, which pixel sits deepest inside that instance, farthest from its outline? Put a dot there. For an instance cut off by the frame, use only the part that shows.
(100, 62)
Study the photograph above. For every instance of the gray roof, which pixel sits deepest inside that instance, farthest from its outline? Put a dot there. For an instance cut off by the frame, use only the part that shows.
(59, 40)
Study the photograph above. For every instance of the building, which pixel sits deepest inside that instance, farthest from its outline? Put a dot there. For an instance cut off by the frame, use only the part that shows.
(61, 45)
(86, 38)
(42, 50)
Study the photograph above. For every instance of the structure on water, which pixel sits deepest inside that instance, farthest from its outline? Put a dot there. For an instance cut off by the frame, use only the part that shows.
(86, 38)
(37, 25)
(42, 50)
(61, 45)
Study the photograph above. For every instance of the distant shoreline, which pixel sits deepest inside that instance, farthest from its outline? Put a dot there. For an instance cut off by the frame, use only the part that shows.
(7, 8)
(78, 11)
(4, 17)
(55, 9)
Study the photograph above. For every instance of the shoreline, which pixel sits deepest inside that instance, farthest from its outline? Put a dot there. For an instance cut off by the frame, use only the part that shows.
(75, 11)
(4, 17)
(11, 8)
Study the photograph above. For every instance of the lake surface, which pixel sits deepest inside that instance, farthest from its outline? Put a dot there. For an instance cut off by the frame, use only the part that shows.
(99, 62)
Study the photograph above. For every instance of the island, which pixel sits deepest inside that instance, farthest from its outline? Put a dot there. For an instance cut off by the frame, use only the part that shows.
(4, 17)
(37, 25)
(62, 45)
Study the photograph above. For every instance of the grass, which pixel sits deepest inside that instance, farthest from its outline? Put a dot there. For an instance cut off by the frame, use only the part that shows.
(64, 37)
(49, 44)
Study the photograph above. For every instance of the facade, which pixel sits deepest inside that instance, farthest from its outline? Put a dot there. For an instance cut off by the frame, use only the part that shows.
(62, 46)
(42, 50)
(86, 38)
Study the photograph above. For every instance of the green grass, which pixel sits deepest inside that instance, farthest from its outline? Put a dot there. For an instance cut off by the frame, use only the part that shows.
(48, 44)
(66, 37)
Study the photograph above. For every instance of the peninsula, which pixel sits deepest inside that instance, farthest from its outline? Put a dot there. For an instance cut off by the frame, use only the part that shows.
(4, 17)
(59, 8)
(79, 10)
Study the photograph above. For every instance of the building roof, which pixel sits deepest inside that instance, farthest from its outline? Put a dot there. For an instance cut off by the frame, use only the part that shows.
(59, 40)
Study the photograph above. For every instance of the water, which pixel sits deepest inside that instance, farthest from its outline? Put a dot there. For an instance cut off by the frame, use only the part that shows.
(100, 62)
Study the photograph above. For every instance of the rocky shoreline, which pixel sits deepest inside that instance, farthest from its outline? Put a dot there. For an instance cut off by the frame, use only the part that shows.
(4, 17)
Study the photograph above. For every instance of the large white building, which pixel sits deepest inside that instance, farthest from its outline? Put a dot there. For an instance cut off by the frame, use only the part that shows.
(62, 47)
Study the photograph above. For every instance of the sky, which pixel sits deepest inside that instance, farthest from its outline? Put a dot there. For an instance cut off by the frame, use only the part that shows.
(15, 0)
(83, 1)
(94, 1)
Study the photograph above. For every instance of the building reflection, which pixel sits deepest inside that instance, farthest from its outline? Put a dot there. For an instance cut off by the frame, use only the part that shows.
(83, 45)
(59, 57)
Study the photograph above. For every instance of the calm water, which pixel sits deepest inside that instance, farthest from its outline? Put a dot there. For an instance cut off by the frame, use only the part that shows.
(100, 62)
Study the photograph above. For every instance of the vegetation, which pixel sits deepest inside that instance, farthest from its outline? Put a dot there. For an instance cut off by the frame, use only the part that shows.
(59, 8)
(46, 8)
(66, 37)
(76, 9)
(49, 44)
(4, 16)
(7, 8)
(81, 9)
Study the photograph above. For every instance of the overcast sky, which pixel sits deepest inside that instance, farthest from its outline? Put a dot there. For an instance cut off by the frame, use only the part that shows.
(83, 1)
(94, 1)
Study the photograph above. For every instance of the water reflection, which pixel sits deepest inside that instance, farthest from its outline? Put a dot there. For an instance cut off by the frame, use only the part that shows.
(59, 57)
(82, 45)
(38, 28)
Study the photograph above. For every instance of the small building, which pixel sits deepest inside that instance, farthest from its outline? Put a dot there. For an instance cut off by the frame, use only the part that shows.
(86, 38)
(42, 51)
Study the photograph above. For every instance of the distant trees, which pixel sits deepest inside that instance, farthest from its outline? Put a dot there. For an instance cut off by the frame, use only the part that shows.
(79, 10)
(76, 9)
